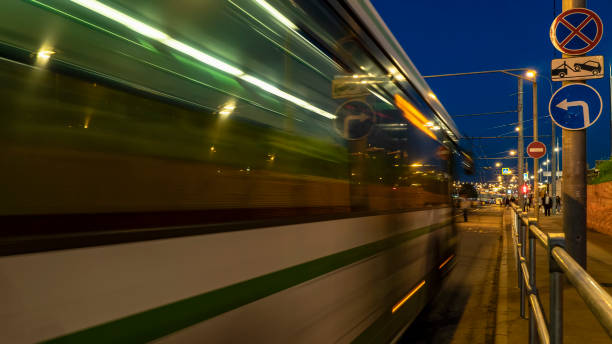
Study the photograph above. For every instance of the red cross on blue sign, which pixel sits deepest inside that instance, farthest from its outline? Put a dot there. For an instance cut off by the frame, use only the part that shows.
(576, 31)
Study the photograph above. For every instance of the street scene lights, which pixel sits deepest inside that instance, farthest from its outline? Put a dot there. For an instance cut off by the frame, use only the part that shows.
(530, 74)
(498, 164)
(512, 152)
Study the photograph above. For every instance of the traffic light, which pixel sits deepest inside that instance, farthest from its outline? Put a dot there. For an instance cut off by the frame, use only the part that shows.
(525, 189)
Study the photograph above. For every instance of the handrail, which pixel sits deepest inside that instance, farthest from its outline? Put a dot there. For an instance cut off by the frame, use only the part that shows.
(540, 320)
(560, 261)
(596, 298)
(541, 236)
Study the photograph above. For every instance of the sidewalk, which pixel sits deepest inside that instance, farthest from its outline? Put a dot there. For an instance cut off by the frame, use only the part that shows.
(580, 325)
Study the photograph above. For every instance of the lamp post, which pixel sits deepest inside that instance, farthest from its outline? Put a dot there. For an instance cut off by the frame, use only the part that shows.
(520, 78)
(533, 75)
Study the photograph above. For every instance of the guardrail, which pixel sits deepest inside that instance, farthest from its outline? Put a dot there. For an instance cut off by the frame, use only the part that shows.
(559, 262)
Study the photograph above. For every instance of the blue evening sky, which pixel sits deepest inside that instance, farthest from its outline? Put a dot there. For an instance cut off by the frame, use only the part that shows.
(448, 36)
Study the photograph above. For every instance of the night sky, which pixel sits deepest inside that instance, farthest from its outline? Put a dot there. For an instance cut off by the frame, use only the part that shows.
(464, 36)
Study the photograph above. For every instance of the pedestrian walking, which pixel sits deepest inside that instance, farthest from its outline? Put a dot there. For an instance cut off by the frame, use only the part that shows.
(547, 202)
(558, 199)
(465, 205)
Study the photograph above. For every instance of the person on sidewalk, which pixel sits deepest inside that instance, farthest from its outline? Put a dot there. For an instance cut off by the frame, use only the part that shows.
(558, 199)
(464, 205)
(530, 204)
(547, 202)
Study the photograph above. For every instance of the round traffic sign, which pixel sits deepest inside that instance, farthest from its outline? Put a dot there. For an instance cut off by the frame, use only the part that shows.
(354, 119)
(536, 149)
(575, 106)
(576, 31)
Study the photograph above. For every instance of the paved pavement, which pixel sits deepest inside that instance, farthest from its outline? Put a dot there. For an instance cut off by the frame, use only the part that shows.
(580, 325)
(464, 311)
(479, 301)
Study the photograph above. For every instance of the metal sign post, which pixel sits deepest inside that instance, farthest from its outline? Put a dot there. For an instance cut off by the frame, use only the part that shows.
(574, 32)
(536, 165)
(520, 140)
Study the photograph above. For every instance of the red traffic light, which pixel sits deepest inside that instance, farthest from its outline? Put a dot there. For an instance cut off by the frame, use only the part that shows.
(525, 188)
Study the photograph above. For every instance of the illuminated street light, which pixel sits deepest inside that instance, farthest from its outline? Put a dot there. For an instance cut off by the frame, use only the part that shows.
(517, 129)
(556, 149)
(497, 164)
(512, 152)
(530, 74)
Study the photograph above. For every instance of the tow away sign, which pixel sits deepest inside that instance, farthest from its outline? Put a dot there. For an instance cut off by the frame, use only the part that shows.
(577, 68)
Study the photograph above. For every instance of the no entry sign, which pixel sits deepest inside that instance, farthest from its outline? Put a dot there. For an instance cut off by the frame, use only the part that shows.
(536, 149)
(576, 31)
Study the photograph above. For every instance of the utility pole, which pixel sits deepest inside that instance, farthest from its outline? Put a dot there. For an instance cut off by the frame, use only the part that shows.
(574, 178)
(553, 169)
(610, 78)
(536, 165)
(519, 147)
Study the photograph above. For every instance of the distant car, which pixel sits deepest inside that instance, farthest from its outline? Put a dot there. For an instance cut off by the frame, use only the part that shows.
(591, 66)
(560, 71)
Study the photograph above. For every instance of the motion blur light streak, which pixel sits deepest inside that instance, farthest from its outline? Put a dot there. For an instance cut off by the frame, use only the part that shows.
(413, 115)
(276, 14)
(401, 303)
(446, 261)
(165, 39)
(227, 109)
(45, 54)
(128, 21)
(381, 97)
(282, 94)
(202, 57)
(288, 23)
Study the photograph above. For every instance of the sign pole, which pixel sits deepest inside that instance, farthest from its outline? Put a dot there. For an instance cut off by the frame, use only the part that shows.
(519, 147)
(536, 185)
(574, 178)
(553, 169)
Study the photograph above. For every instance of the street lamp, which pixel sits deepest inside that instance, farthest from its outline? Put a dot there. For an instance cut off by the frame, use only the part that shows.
(497, 164)
(529, 73)
(512, 152)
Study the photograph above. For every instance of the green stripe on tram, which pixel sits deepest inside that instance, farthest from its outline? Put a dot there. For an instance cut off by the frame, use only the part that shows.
(161, 321)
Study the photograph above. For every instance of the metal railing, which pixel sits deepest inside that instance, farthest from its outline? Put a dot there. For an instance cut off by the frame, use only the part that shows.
(559, 262)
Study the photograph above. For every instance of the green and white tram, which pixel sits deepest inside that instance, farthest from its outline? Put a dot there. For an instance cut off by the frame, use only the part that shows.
(221, 171)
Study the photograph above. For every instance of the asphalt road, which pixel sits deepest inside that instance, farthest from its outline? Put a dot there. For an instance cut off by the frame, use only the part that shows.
(465, 309)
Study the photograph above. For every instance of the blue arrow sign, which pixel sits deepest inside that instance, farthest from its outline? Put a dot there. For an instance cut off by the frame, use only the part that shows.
(575, 106)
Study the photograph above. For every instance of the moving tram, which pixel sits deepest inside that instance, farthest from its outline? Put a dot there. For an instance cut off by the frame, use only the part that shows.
(217, 171)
